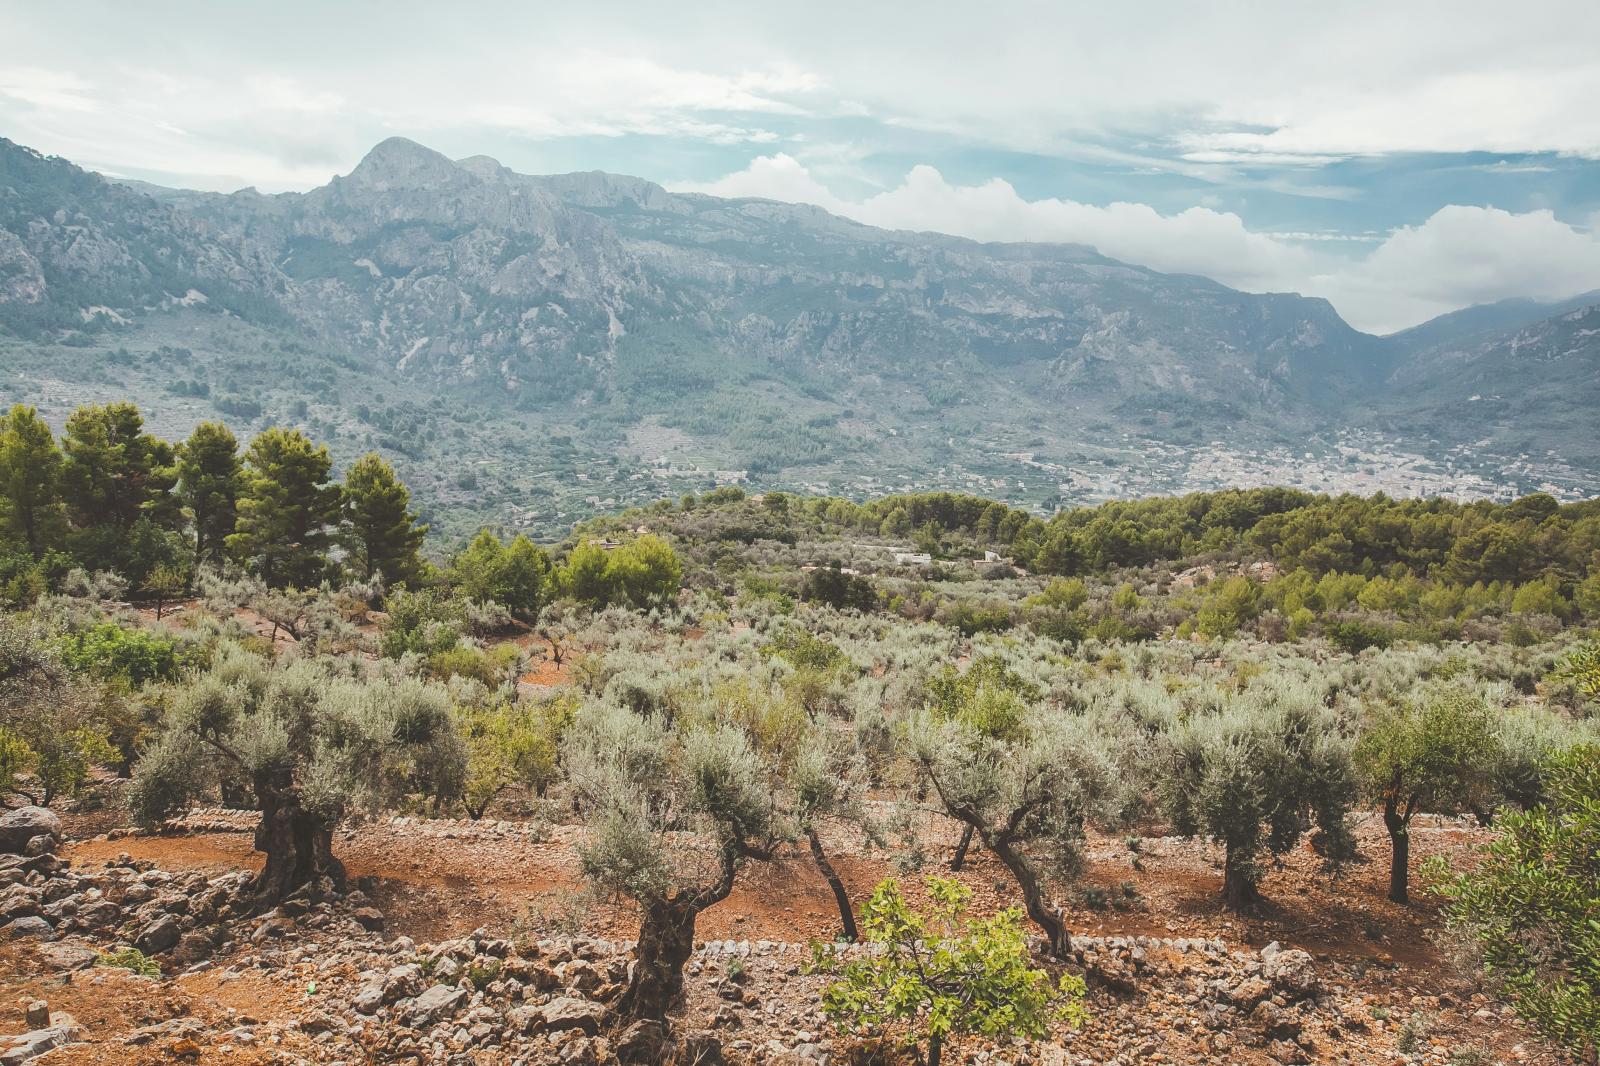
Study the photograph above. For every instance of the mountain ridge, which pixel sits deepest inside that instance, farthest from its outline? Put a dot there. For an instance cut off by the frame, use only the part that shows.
(692, 333)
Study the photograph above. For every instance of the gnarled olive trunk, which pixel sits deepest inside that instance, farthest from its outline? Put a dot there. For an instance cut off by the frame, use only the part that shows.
(846, 914)
(666, 942)
(1238, 882)
(297, 843)
(1043, 913)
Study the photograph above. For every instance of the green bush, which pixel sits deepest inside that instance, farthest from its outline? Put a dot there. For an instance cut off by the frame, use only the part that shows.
(1357, 635)
(112, 652)
(426, 622)
(130, 959)
(943, 974)
(491, 668)
(1528, 910)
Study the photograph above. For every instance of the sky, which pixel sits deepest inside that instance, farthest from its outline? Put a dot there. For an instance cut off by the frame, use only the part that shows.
(1400, 159)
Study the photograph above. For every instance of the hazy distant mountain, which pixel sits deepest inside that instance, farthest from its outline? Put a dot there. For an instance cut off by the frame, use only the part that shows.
(471, 272)
(1535, 387)
(1484, 322)
(419, 301)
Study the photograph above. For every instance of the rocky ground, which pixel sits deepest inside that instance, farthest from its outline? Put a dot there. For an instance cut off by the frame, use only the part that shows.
(414, 966)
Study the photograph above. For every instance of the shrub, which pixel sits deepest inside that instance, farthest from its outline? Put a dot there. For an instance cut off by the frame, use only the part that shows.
(1357, 635)
(424, 622)
(481, 975)
(1582, 668)
(971, 619)
(1528, 909)
(1227, 606)
(512, 746)
(490, 668)
(945, 973)
(839, 590)
(803, 649)
(1062, 594)
(112, 652)
(130, 959)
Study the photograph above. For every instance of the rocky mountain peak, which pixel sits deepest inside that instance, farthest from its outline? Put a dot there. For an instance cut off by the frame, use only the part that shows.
(399, 163)
(596, 188)
(486, 167)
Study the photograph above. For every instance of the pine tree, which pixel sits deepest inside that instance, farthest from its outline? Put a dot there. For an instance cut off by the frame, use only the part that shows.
(114, 472)
(30, 471)
(380, 533)
(287, 510)
(209, 482)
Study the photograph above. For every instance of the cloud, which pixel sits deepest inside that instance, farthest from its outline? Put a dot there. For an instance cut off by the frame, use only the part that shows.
(55, 90)
(1501, 111)
(1461, 255)
(1199, 240)
(1260, 102)
(1198, 87)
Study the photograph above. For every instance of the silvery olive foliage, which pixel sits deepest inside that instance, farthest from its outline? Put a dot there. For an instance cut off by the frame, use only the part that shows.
(1258, 771)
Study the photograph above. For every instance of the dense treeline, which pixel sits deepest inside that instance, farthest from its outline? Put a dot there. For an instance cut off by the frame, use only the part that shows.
(1528, 539)
(113, 497)
(1275, 563)
(110, 497)
(1520, 541)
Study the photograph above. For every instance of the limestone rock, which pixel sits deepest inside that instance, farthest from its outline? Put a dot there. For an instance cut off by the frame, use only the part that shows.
(20, 826)
(1292, 972)
(435, 1003)
(160, 935)
(568, 1012)
(29, 928)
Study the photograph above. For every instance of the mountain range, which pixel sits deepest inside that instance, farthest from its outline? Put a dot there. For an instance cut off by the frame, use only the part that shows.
(528, 348)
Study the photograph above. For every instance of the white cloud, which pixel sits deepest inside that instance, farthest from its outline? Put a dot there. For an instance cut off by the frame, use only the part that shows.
(1197, 90)
(1475, 111)
(1200, 86)
(1462, 256)
(1459, 256)
(285, 94)
(1199, 240)
(55, 90)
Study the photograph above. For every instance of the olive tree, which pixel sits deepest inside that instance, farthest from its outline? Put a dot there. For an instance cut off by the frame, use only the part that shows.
(311, 742)
(827, 779)
(986, 696)
(816, 771)
(1026, 790)
(1255, 774)
(1430, 753)
(674, 811)
(1526, 911)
